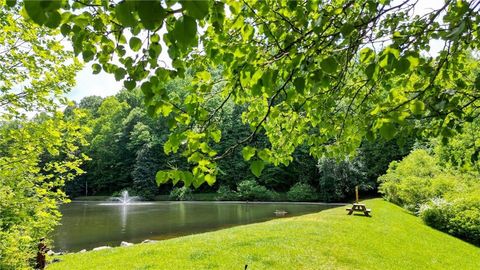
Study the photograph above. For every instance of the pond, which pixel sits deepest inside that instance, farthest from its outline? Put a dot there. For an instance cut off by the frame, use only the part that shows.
(86, 225)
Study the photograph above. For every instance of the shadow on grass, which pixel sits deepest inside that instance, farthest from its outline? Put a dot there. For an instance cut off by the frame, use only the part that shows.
(361, 215)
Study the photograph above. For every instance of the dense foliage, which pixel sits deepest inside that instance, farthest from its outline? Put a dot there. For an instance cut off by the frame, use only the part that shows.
(37, 157)
(180, 194)
(320, 74)
(445, 198)
(127, 149)
(302, 192)
(38, 154)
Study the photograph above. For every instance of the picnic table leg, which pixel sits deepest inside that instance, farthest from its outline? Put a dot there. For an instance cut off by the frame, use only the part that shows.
(350, 211)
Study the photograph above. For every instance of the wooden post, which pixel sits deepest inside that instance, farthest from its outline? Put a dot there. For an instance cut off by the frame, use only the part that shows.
(356, 194)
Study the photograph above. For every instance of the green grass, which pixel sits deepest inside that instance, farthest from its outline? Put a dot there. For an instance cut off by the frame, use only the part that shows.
(391, 239)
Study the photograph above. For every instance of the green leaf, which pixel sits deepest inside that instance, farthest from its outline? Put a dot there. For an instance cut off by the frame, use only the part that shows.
(123, 12)
(387, 130)
(299, 84)
(135, 43)
(195, 8)
(44, 12)
(347, 29)
(155, 38)
(120, 74)
(414, 61)
(247, 32)
(129, 84)
(35, 11)
(371, 71)
(417, 107)
(65, 29)
(185, 31)
(329, 65)
(96, 68)
(367, 55)
(264, 155)
(187, 178)
(204, 76)
(51, 5)
(154, 50)
(389, 57)
(166, 109)
(176, 176)
(257, 167)
(210, 179)
(216, 135)
(53, 19)
(88, 55)
(248, 152)
(403, 65)
(161, 177)
(151, 14)
(11, 3)
(477, 82)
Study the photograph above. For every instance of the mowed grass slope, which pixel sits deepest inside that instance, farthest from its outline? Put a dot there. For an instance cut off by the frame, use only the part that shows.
(391, 239)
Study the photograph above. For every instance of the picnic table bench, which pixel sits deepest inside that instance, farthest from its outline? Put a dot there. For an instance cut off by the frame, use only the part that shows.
(359, 207)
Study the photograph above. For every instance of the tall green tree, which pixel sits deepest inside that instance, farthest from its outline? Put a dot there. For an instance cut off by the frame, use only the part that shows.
(38, 154)
(37, 157)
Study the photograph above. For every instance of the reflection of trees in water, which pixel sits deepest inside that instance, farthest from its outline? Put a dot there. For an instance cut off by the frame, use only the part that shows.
(89, 225)
(244, 212)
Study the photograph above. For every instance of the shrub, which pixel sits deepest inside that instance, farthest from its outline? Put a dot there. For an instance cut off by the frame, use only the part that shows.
(460, 218)
(446, 200)
(302, 192)
(415, 180)
(181, 194)
(224, 193)
(436, 213)
(250, 190)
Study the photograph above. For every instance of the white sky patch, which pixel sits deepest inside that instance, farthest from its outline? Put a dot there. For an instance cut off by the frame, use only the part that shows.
(89, 84)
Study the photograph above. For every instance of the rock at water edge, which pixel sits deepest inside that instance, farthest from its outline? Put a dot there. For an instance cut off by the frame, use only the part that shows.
(100, 248)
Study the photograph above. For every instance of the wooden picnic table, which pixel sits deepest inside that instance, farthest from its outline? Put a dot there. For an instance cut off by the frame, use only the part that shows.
(359, 207)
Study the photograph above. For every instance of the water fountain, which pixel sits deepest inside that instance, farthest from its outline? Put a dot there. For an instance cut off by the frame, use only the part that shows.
(125, 199)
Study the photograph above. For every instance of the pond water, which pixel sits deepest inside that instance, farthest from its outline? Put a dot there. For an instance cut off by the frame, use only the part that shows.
(86, 225)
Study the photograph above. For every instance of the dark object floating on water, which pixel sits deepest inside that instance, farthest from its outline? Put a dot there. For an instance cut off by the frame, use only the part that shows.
(280, 213)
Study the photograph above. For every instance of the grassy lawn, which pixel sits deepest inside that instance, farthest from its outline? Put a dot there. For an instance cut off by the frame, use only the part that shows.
(391, 239)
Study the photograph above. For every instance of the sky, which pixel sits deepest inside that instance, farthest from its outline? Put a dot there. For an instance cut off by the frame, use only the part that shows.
(104, 84)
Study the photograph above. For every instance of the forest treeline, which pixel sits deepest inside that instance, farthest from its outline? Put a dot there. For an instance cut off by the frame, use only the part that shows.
(126, 150)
